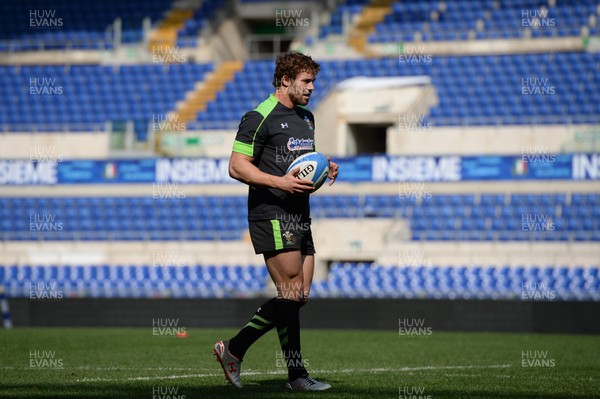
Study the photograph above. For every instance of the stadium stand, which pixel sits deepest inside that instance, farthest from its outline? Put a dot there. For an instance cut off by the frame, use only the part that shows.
(484, 90)
(32, 25)
(86, 95)
(450, 282)
(474, 90)
(352, 7)
(463, 20)
(487, 217)
(494, 96)
(109, 281)
(347, 280)
(188, 35)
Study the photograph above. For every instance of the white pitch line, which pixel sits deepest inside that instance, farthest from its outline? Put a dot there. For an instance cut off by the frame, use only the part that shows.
(372, 370)
(115, 368)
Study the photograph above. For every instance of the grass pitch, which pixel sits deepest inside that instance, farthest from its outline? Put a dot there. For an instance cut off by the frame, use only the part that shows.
(134, 363)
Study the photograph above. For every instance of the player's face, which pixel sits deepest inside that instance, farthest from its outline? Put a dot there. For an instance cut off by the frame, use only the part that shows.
(301, 88)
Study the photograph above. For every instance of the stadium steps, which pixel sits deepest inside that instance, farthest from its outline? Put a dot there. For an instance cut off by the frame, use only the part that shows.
(370, 16)
(165, 35)
(197, 99)
(203, 92)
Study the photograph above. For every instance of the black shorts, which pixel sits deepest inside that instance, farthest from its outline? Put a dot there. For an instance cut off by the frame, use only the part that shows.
(281, 235)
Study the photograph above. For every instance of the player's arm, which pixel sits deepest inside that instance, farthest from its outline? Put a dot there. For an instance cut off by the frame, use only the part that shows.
(250, 141)
(242, 168)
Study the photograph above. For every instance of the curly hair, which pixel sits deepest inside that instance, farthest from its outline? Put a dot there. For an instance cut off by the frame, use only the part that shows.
(291, 64)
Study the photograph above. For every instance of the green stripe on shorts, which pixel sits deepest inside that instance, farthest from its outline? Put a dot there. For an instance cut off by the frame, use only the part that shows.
(277, 234)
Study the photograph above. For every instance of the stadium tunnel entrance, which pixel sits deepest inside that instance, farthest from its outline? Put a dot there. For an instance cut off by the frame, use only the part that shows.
(368, 115)
(367, 139)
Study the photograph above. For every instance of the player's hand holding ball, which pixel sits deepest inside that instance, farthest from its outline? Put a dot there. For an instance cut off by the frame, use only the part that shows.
(307, 173)
(291, 183)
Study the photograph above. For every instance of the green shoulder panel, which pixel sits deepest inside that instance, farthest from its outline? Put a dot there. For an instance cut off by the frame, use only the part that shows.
(267, 106)
(264, 108)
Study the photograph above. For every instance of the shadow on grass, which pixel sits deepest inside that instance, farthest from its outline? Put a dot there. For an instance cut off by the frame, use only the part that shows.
(262, 389)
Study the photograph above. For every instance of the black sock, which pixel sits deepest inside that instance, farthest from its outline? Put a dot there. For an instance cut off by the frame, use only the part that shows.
(288, 329)
(262, 322)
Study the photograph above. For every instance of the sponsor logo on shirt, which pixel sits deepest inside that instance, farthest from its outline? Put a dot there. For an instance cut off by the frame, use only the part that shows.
(300, 144)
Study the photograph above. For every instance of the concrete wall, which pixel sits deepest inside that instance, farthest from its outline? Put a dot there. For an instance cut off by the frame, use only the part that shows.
(484, 47)
(408, 134)
(384, 314)
(210, 144)
(54, 146)
(414, 135)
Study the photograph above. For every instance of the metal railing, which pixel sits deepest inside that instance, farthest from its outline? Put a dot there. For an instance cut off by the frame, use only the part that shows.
(233, 124)
(121, 235)
(13, 46)
(515, 120)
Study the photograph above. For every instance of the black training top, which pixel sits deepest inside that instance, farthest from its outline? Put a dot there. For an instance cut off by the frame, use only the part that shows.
(274, 135)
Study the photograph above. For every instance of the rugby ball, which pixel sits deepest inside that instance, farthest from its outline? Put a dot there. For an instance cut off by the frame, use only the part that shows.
(314, 166)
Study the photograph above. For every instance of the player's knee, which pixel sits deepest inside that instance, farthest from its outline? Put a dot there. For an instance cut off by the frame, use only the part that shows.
(291, 290)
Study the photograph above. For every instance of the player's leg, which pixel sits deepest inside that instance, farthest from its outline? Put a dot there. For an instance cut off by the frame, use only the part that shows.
(235, 349)
(264, 319)
(231, 353)
(307, 248)
(286, 271)
(285, 268)
(308, 269)
(261, 322)
(286, 278)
